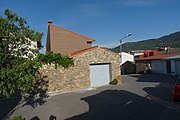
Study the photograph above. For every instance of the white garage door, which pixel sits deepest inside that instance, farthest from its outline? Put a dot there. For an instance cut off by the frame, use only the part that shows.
(99, 74)
(178, 67)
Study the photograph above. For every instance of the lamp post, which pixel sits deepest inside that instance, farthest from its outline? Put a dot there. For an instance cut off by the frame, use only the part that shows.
(120, 45)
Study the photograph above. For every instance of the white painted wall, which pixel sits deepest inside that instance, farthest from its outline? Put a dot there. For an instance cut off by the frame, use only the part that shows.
(126, 57)
(160, 66)
(164, 67)
(173, 67)
(177, 64)
(157, 66)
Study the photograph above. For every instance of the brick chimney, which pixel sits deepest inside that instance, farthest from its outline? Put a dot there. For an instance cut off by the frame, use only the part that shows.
(50, 21)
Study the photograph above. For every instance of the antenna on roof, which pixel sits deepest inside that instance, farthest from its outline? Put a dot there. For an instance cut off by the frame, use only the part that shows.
(50, 21)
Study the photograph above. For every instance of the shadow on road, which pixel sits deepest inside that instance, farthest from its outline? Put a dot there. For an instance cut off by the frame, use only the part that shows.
(7, 107)
(122, 105)
(34, 98)
(52, 117)
(163, 90)
(164, 87)
(159, 78)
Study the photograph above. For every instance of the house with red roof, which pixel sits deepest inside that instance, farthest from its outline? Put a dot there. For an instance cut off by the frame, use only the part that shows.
(94, 66)
(61, 40)
(163, 63)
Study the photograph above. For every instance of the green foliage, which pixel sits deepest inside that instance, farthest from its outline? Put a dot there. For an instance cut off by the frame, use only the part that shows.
(18, 118)
(16, 31)
(18, 67)
(55, 58)
(19, 63)
(114, 82)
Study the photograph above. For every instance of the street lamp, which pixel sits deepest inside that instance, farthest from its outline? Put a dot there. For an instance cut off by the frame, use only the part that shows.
(120, 45)
(120, 41)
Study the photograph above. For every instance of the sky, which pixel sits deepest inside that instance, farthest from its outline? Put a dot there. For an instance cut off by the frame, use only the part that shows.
(106, 21)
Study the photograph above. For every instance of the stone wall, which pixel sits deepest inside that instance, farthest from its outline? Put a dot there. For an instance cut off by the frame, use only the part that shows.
(78, 76)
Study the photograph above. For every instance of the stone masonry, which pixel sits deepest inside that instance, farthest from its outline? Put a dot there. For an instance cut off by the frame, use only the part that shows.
(78, 76)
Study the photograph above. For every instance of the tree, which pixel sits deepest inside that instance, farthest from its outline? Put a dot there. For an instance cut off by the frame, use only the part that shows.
(19, 59)
(18, 66)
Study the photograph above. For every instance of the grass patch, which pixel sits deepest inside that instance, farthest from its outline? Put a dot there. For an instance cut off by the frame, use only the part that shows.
(114, 82)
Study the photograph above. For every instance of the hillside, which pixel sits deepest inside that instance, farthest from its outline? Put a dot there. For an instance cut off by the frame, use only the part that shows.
(172, 40)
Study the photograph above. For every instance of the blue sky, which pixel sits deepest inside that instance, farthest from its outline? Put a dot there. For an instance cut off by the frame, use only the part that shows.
(104, 20)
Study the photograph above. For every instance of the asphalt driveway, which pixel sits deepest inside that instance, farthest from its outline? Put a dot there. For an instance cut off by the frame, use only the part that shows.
(141, 97)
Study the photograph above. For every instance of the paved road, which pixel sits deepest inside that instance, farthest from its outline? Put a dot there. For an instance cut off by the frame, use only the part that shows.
(141, 97)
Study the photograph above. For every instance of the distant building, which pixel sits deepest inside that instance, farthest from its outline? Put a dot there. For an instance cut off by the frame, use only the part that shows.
(126, 57)
(128, 67)
(137, 53)
(144, 53)
(165, 63)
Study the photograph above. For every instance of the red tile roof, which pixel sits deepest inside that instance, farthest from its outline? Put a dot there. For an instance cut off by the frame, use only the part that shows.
(60, 28)
(158, 57)
(86, 50)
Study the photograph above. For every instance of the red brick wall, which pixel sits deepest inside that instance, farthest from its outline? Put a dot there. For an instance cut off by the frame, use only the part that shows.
(65, 42)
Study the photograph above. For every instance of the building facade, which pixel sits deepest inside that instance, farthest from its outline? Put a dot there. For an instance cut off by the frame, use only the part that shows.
(60, 40)
(93, 67)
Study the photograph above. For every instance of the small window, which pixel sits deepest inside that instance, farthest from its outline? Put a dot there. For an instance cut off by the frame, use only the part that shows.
(89, 42)
(151, 53)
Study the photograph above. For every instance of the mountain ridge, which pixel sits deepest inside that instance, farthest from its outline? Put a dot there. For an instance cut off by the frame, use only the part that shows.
(172, 40)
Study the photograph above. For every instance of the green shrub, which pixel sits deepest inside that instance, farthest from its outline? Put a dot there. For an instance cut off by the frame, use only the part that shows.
(55, 58)
(18, 118)
(114, 82)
